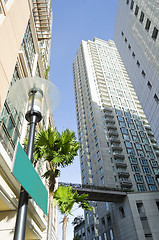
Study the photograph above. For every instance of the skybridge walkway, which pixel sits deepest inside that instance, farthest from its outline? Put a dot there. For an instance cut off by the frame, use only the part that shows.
(99, 193)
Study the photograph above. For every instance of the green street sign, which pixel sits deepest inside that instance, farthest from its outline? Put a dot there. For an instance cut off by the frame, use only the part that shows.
(26, 175)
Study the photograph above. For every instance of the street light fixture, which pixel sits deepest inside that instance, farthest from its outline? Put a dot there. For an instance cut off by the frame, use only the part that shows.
(40, 94)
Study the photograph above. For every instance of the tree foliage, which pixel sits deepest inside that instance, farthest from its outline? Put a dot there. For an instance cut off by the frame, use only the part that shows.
(66, 198)
(57, 149)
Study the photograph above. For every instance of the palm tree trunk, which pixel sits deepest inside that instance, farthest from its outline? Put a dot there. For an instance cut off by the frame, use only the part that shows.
(64, 226)
(52, 182)
(50, 214)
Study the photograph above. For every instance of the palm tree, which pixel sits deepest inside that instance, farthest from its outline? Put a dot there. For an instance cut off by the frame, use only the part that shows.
(58, 150)
(66, 198)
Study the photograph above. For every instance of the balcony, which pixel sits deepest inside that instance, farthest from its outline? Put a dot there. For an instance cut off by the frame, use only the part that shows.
(152, 139)
(118, 155)
(111, 126)
(108, 114)
(114, 139)
(147, 127)
(126, 183)
(106, 109)
(113, 132)
(120, 163)
(123, 173)
(110, 120)
(116, 146)
(42, 19)
(157, 152)
(150, 133)
(155, 145)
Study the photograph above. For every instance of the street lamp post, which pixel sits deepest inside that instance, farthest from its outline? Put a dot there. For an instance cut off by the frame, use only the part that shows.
(33, 116)
(32, 87)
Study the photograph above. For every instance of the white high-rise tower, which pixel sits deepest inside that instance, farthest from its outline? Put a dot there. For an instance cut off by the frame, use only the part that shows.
(118, 147)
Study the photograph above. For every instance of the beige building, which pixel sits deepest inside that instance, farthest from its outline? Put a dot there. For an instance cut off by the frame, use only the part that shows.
(25, 30)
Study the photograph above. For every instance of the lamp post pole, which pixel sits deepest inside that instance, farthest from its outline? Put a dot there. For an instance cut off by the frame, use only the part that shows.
(33, 117)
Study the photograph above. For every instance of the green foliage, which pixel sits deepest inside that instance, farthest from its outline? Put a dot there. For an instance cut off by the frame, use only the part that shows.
(47, 70)
(66, 198)
(76, 237)
(57, 149)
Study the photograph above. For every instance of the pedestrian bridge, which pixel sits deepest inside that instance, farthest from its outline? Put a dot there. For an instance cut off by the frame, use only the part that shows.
(98, 193)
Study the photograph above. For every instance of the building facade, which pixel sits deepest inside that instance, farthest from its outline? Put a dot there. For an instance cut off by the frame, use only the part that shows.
(137, 39)
(118, 146)
(25, 29)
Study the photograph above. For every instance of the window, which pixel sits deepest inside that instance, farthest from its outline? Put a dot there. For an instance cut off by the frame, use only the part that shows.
(122, 124)
(102, 180)
(149, 85)
(155, 33)
(122, 213)
(129, 120)
(99, 161)
(138, 178)
(157, 203)
(148, 23)
(133, 132)
(141, 17)
(136, 10)
(126, 137)
(101, 171)
(150, 179)
(148, 148)
(152, 188)
(143, 73)
(128, 144)
(103, 221)
(140, 207)
(118, 112)
(132, 5)
(150, 155)
(105, 236)
(124, 130)
(156, 98)
(107, 206)
(154, 163)
(130, 151)
(146, 170)
(111, 234)
(109, 220)
(156, 171)
(138, 63)
(141, 188)
(120, 118)
(135, 139)
(141, 153)
(133, 160)
(131, 125)
(144, 140)
(138, 146)
(143, 161)
(135, 168)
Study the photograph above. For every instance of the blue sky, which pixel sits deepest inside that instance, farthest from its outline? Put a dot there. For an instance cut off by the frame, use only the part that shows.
(73, 21)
